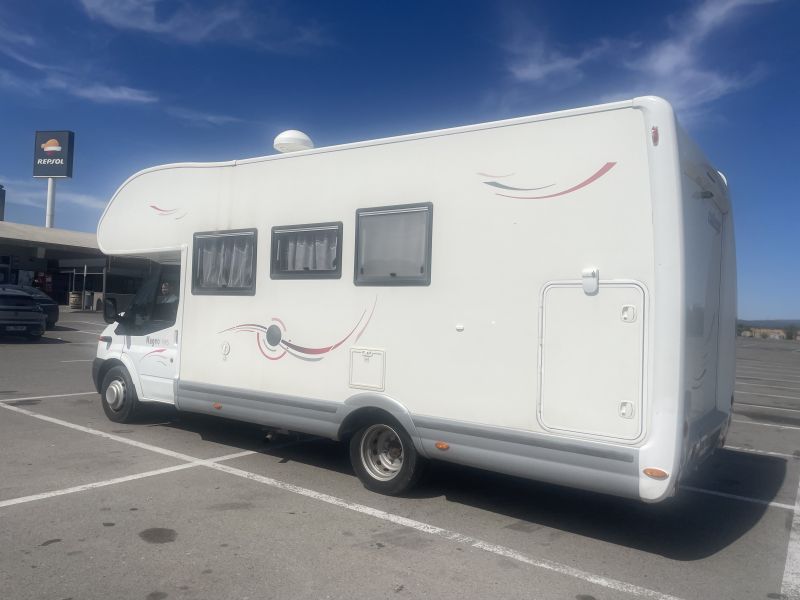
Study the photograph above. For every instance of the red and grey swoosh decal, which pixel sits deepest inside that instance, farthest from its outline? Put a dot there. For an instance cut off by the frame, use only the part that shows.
(588, 181)
(273, 345)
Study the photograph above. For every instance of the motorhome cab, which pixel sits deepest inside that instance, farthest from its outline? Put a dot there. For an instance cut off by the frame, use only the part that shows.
(551, 297)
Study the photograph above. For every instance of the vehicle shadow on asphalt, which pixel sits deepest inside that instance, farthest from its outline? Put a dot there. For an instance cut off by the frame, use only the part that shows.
(26, 341)
(292, 447)
(690, 526)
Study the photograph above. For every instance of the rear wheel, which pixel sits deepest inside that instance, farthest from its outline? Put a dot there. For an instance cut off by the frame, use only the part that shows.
(118, 395)
(384, 458)
(35, 334)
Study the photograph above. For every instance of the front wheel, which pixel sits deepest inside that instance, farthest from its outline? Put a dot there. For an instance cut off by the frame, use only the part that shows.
(384, 458)
(118, 395)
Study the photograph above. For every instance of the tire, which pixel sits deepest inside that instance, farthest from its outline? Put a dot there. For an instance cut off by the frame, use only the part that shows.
(118, 395)
(384, 458)
(36, 335)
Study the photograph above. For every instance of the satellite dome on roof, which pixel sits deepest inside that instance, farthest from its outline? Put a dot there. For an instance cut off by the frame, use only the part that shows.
(292, 140)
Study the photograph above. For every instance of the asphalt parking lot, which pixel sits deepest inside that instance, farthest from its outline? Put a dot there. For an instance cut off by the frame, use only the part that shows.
(183, 506)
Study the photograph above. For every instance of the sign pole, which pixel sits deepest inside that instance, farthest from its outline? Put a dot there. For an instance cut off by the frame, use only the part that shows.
(51, 202)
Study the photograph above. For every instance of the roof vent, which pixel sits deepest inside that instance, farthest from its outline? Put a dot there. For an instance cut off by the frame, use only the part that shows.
(292, 140)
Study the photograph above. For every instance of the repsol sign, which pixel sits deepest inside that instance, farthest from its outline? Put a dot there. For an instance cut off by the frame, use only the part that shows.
(52, 153)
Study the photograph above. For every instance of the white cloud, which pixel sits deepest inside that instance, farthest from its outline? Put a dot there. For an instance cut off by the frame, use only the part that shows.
(675, 66)
(33, 192)
(51, 77)
(100, 92)
(186, 24)
(539, 62)
(10, 36)
(201, 118)
(190, 22)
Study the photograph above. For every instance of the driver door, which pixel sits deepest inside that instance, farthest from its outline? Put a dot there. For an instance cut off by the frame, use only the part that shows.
(151, 336)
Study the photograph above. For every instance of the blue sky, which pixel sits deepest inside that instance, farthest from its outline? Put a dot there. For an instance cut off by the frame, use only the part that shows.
(144, 82)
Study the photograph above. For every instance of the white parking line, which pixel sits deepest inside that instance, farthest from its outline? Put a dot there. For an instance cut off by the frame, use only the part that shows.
(99, 484)
(77, 360)
(98, 433)
(767, 395)
(766, 407)
(790, 588)
(737, 497)
(452, 536)
(762, 452)
(770, 379)
(764, 424)
(787, 372)
(772, 387)
(51, 396)
(84, 322)
(612, 584)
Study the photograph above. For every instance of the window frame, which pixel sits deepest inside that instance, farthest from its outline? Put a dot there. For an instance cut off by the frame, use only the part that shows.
(274, 260)
(224, 291)
(394, 281)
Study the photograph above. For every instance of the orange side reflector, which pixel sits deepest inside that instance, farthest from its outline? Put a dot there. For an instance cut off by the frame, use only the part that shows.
(442, 446)
(656, 473)
(217, 405)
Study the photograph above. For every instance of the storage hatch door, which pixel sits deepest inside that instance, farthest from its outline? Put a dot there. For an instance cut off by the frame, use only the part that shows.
(592, 360)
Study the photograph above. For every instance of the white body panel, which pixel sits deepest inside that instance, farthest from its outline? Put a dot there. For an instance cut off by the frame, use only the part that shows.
(521, 209)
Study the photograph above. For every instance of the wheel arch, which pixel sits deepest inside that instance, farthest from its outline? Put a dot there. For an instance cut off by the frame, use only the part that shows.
(366, 407)
(122, 361)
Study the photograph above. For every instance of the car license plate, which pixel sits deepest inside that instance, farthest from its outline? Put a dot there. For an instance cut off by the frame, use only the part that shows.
(15, 328)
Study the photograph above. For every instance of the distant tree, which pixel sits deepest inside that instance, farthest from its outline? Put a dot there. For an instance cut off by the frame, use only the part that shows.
(764, 335)
(791, 332)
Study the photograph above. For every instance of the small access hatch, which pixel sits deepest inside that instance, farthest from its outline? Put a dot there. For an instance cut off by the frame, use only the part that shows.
(592, 354)
(367, 368)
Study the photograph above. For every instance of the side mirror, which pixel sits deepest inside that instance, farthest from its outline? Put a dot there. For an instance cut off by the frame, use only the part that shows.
(110, 310)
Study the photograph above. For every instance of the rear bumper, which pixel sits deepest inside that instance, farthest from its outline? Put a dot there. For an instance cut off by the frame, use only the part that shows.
(23, 328)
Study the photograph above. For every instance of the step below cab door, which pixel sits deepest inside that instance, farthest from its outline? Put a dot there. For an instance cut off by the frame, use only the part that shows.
(592, 360)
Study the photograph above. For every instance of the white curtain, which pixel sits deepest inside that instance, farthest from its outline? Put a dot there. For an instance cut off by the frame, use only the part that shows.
(308, 251)
(226, 262)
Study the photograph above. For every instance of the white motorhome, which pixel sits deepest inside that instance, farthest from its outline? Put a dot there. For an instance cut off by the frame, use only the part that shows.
(551, 297)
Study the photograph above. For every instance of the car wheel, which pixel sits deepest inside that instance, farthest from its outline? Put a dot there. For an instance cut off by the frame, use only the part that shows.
(35, 335)
(384, 458)
(118, 395)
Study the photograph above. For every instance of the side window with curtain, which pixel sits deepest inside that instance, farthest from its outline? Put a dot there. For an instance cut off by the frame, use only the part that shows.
(393, 245)
(225, 263)
(307, 251)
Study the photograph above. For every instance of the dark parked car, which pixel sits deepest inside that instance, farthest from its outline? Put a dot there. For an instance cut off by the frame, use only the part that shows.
(49, 306)
(20, 314)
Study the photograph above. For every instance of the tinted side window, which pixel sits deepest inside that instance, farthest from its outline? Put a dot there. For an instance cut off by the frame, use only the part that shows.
(307, 251)
(393, 245)
(225, 263)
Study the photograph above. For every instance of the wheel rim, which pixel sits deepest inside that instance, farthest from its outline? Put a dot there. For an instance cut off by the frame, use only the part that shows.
(115, 394)
(382, 452)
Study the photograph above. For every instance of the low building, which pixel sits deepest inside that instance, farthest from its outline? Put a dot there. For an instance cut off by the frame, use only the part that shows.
(768, 334)
(62, 262)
